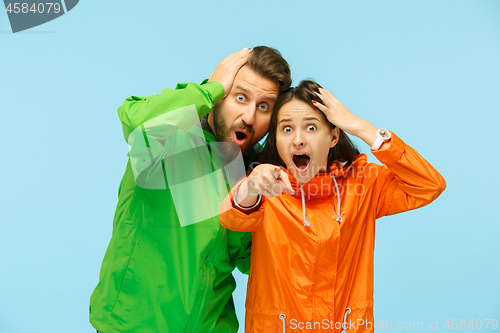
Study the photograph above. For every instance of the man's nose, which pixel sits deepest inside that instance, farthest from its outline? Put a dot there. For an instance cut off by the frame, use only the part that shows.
(298, 140)
(248, 115)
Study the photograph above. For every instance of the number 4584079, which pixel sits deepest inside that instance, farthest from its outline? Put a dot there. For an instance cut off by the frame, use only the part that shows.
(462, 324)
(40, 7)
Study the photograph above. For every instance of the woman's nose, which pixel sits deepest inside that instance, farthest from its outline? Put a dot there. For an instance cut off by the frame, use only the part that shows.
(298, 141)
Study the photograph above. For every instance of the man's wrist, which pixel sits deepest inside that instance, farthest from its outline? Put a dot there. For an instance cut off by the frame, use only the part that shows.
(214, 88)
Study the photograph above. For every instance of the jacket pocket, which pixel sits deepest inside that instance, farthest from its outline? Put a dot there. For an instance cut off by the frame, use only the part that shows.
(276, 322)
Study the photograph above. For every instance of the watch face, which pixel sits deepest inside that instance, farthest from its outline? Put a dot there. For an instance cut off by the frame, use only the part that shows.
(384, 134)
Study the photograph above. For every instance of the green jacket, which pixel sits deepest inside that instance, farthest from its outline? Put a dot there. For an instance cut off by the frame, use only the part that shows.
(168, 265)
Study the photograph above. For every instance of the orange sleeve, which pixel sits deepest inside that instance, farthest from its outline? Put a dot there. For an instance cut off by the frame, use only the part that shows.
(406, 180)
(236, 220)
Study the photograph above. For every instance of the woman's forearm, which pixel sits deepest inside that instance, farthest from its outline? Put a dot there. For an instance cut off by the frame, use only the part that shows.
(244, 198)
(367, 132)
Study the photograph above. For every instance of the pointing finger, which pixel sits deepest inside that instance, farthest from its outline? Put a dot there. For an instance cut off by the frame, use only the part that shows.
(286, 182)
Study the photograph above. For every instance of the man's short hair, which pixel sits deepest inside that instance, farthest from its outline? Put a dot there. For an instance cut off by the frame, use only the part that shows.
(269, 63)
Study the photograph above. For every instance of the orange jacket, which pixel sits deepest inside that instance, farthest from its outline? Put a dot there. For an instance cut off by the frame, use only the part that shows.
(314, 278)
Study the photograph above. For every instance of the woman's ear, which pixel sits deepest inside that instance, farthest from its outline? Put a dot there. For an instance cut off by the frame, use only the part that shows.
(335, 133)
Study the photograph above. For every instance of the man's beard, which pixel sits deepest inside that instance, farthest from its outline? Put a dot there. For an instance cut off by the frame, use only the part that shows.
(223, 133)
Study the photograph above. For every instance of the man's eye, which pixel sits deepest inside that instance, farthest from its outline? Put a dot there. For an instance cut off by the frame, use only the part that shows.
(287, 129)
(240, 98)
(263, 106)
(311, 128)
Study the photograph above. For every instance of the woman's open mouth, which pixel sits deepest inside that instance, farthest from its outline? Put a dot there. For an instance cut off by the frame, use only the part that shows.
(240, 137)
(301, 161)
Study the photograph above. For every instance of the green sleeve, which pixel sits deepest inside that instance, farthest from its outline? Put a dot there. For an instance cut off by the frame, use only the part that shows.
(240, 246)
(188, 102)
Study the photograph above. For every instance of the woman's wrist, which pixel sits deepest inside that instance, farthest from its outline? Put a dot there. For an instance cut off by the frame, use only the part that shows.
(243, 198)
(367, 132)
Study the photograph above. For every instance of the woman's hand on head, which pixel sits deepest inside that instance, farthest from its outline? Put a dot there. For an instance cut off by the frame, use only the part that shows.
(268, 180)
(340, 116)
(337, 113)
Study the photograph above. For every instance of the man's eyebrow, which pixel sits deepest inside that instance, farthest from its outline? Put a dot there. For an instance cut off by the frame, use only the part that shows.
(246, 90)
(272, 98)
(243, 88)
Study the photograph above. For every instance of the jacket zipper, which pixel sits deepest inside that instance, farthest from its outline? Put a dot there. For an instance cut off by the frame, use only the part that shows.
(316, 272)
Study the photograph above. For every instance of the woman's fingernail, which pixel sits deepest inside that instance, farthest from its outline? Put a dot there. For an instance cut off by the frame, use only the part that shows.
(314, 102)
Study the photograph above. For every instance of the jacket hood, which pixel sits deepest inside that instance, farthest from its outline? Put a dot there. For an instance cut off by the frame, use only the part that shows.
(321, 185)
(324, 185)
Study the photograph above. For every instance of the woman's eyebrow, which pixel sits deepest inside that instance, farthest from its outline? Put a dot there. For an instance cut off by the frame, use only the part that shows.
(303, 119)
(311, 118)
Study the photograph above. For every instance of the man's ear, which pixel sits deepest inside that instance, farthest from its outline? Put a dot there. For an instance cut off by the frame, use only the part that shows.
(335, 133)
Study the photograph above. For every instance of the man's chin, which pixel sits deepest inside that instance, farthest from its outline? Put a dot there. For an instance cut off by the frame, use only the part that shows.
(246, 148)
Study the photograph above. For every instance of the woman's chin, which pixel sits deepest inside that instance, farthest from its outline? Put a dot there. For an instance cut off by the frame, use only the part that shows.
(301, 176)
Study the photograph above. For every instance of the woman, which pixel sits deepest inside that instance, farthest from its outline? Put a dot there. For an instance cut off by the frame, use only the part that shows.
(311, 207)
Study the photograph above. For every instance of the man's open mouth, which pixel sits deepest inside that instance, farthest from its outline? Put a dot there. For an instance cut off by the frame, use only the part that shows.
(301, 161)
(240, 137)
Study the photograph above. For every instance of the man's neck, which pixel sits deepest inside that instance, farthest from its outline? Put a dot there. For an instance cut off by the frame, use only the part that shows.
(205, 125)
(210, 121)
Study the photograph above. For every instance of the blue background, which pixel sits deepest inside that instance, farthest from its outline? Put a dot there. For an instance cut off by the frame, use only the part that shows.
(427, 70)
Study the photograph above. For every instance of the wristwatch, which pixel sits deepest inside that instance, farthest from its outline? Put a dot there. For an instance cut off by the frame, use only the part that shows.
(383, 135)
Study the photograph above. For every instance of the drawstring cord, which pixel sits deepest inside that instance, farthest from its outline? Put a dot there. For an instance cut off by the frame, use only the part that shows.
(282, 317)
(339, 215)
(306, 222)
(344, 325)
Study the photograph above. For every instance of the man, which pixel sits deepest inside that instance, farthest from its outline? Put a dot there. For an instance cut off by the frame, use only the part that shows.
(169, 262)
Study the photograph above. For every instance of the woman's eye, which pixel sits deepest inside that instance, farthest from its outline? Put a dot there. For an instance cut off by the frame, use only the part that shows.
(263, 106)
(311, 128)
(287, 129)
(240, 98)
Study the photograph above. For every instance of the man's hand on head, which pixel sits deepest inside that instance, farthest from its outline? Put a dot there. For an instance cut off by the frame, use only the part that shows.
(226, 70)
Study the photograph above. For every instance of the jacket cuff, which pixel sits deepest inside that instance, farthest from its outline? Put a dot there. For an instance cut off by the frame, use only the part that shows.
(214, 89)
(246, 210)
(392, 153)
